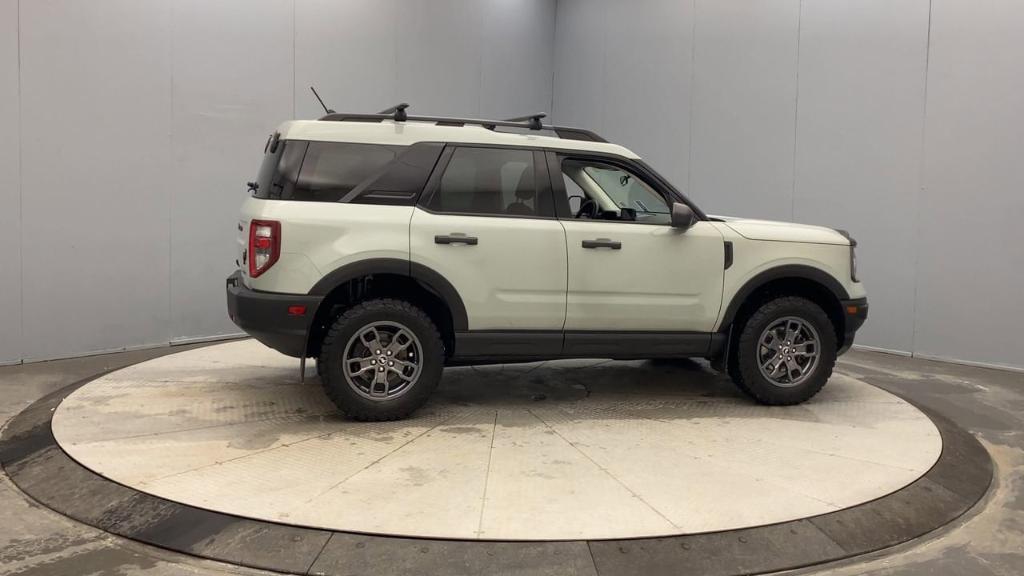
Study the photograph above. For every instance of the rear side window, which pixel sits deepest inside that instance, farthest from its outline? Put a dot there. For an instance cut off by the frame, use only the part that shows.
(331, 170)
(322, 171)
(490, 181)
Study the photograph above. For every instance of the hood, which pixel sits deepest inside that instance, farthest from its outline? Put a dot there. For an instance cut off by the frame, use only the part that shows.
(784, 231)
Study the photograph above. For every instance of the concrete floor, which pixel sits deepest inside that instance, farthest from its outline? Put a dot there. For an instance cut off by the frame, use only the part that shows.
(990, 540)
(562, 450)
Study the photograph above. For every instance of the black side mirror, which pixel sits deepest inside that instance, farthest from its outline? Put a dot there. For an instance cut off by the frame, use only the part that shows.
(682, 216)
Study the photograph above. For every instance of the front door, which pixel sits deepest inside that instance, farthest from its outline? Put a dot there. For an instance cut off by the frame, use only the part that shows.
(629, 269)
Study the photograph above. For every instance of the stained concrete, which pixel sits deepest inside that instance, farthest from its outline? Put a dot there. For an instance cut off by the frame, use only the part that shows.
(988, 542)
(613, 450)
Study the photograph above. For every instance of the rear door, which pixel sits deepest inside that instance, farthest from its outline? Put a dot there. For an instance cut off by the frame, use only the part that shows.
(486, 223)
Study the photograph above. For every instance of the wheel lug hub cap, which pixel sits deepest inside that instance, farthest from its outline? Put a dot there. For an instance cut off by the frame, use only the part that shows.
(778, 358)
(368, 360)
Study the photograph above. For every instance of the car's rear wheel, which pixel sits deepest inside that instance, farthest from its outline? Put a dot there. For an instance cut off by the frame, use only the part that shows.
(381, 360)
(785, 352)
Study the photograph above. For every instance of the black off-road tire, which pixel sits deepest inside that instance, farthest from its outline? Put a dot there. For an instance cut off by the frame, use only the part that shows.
(743, 363)
(330, 363)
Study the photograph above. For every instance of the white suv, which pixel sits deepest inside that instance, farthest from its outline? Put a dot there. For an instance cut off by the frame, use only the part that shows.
(388, 246)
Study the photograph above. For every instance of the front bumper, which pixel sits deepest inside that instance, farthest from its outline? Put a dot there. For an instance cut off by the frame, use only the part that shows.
(272, 318)
(855, 312)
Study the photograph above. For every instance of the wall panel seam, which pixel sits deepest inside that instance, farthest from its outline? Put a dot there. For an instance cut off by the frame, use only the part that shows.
(21, 352)
(921, 190)
(168, 330)
(693, 76)
(554, 58)
(796, 110)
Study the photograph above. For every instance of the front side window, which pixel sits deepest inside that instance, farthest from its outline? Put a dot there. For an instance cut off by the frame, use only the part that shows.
(491, 182)
(600, 190)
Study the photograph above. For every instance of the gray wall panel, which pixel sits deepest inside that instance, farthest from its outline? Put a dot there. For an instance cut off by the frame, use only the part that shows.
(744, 107)
(347, 50)
(229, 93)
(971, 262)
(649, 55)
(862, 82)
(96, 167)
(815, 111)
(580, 45)
(517, 45)
(10, 190)
(438, 55)
(142, 121)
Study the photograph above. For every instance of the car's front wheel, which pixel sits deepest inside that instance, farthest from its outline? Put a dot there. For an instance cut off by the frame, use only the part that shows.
(785, 352)
(381, 360)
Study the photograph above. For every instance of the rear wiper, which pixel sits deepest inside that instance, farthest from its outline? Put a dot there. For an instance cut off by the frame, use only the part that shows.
(253, 186)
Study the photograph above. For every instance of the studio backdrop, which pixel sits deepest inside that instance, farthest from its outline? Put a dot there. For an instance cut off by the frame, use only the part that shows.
(131, 128)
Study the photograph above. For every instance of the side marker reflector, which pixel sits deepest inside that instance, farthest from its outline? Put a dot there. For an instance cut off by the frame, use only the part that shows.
(296, 310)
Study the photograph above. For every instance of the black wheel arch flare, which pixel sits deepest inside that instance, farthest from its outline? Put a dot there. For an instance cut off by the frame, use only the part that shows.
(427, 277)
(786, 271)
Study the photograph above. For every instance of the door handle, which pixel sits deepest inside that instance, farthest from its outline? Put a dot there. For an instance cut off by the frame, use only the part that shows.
(602, 243)
(455, 238)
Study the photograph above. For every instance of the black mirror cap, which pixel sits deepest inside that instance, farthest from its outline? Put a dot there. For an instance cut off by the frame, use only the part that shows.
(682, 216)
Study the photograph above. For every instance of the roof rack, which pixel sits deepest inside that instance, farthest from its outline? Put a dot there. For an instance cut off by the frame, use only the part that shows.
(397, 113)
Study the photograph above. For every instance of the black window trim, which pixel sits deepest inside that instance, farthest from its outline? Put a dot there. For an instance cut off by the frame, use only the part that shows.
(638, 167)
(541, 179)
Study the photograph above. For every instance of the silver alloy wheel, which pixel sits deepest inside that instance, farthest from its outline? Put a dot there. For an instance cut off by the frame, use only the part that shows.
(382, 360)
(788, 351)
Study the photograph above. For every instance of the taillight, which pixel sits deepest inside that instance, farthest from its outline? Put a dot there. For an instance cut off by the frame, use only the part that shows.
(264, 245)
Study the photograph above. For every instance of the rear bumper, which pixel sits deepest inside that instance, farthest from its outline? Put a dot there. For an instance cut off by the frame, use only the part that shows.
(855, 312)
(272, 318)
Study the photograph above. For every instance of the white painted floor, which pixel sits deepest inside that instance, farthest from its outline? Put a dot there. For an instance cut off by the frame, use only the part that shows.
(559, 450)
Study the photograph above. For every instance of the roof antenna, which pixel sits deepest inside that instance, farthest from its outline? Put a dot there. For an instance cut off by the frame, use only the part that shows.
(398, 110)
(326, 109)
(533, 120)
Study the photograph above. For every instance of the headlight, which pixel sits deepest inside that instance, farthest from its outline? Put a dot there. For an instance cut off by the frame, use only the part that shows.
(853, 261)
(853, 254)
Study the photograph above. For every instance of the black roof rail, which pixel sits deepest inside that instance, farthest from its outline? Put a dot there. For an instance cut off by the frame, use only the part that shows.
(397, 113)
(533, 120)
(398, 110)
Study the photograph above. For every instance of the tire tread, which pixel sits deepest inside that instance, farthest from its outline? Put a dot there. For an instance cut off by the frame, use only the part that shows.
(746, 375)
(333, 339)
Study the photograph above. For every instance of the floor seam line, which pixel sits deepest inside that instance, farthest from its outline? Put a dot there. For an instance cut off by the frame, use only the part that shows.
(754, 476)
(299, 418)
(330, 537)
(487, 478)
(242, 457)
(828, 536)
(593, 561)
(805, 449)
(406, 443)
(605, 470)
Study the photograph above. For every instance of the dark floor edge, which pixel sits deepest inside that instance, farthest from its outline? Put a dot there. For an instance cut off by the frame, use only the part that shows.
(30, 456)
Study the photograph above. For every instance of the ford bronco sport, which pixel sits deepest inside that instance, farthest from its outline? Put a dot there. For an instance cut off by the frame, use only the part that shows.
(387, 246)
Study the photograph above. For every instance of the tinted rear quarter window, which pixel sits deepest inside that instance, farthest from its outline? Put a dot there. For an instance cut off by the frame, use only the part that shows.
(319, 171)
(331, 170)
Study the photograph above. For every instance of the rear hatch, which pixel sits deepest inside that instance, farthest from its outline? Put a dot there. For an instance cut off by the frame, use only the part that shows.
(261, 188)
